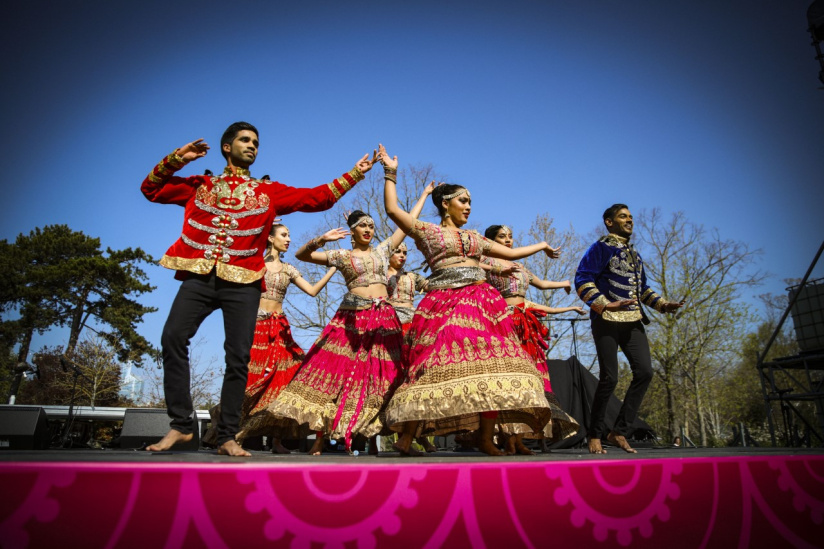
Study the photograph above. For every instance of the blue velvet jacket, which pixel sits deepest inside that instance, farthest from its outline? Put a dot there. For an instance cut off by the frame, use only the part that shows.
(611, 270)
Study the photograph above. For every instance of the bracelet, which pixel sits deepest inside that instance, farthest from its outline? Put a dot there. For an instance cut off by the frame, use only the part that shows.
(390, 177)
(175, 160)
(497, 268)
(387, 169)
(315, 243)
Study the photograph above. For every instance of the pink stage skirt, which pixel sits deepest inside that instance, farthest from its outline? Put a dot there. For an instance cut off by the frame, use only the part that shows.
(348, 375)
(464, 358)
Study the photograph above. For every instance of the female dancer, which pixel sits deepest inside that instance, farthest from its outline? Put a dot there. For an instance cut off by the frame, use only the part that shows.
(403, 286)
(512, 280)
(352, 368)
(466, 367)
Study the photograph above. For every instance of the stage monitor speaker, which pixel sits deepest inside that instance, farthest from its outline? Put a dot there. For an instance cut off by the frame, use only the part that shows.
(144, 426)
(808, 315)
(23, 428)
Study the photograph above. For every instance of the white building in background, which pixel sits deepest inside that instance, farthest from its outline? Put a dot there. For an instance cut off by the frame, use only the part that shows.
(132, 385)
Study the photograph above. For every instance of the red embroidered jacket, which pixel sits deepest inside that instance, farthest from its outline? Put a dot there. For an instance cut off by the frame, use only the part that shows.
(227, 218)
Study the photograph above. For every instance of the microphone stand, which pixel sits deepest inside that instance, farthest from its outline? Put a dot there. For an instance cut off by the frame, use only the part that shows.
(572, 322)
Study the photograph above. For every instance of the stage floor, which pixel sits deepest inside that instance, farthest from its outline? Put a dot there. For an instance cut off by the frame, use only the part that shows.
(660, 497)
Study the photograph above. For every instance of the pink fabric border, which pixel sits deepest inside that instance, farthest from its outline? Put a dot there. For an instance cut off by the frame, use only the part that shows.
(753, 501)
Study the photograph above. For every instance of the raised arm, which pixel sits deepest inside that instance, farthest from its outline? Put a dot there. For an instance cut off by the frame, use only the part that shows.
(309, 251)
(404, 220)
(163, 187)
(313, 289)
(399, 235)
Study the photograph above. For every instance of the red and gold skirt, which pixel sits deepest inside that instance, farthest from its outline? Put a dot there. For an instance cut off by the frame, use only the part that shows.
(464, 359)
(275, 359)
(348, 374)
(533, 334)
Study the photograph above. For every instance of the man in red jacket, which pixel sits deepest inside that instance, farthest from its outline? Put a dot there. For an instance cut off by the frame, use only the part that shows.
(219, 259)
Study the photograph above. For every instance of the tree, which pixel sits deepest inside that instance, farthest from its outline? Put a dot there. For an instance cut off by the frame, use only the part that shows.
(92, 373)
(58, 277)
(572, 247)
(692, 349)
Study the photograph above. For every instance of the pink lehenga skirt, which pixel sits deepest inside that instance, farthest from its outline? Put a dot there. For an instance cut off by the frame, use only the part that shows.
(464, 359)
(348, 375)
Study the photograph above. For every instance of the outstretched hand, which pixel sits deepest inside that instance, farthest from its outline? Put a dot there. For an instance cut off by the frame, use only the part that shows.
(385, 159)
(621, 304)
(568, 288)
(672, 306)
(192, 151)
(510, 270)
(579, 310)
(429, 189)
(365, 164)
(553, 253)
(335, 234)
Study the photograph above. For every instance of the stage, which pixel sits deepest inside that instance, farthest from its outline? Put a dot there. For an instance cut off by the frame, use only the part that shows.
(657, 498)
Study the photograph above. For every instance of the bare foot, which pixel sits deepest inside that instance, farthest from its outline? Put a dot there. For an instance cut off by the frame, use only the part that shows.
(427, 446)
(278, 448)
(509, 447)
(621, 442)
(232, 448)
(521, 449)
(404, 447)
(489, 448)
(595, 446)
(172, 437)
(317, 447)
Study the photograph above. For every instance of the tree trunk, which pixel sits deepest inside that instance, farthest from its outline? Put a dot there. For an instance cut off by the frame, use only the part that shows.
(699, 412)
(77, 323)
(670, 406)
(21, 367)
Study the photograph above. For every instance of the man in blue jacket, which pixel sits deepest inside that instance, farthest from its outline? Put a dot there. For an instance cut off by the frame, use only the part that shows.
(612, 282)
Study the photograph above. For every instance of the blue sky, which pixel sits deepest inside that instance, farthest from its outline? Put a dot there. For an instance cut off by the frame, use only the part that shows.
(713, 108)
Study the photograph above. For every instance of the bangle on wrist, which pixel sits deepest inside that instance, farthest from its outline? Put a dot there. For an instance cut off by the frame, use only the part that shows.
(315, 243)
(176, 160)
(387, 169)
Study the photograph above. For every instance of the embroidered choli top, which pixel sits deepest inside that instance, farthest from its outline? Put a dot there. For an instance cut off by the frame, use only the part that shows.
(403, 286)
(362, 271)
(277, 283)
(443, 246)
(611, 270)
(227, 217)
(514, 285)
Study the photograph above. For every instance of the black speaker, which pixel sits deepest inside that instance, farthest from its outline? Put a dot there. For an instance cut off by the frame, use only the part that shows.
(23, 428)
(143, 426)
